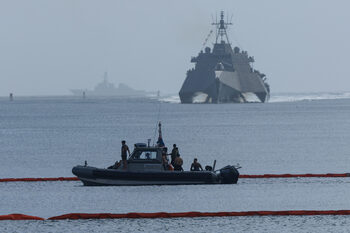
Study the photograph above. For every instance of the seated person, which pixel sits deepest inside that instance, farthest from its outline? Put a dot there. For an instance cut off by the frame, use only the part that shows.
(195, 166)
(116, 165)
(178, 163)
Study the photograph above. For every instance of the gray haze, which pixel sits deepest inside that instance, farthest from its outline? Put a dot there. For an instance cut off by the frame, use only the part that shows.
(48, 47)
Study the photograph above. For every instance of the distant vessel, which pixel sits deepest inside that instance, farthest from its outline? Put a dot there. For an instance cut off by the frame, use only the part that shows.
(106, 88)
(223, 75)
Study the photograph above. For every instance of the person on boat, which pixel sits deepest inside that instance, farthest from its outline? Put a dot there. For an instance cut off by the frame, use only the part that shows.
(116, 165)
(173, 154)
(165, 160)
(178, 163)
(195, 166)
(124, 150)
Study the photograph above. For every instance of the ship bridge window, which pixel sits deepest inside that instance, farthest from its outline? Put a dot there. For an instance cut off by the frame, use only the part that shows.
(144, 155)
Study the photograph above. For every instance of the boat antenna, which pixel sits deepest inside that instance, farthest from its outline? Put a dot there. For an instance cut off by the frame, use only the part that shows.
(158, 122)
(160, 142)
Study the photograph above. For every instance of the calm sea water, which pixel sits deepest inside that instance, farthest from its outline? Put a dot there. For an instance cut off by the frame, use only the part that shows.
(46, 137)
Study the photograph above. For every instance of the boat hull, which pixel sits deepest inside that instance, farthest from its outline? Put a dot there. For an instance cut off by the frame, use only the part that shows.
(91, 176)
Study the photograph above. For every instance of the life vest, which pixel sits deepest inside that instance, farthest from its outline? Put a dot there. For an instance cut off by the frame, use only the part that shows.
(170, 168)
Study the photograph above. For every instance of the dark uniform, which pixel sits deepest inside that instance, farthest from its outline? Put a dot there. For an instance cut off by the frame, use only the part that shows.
(173, 154)
(195, 166)
(125, 149)
(124, 154)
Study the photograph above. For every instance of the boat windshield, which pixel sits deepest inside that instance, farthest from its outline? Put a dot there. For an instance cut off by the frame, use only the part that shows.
(144, 155)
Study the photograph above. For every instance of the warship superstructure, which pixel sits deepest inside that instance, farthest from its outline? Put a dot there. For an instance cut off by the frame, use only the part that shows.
(223, 75)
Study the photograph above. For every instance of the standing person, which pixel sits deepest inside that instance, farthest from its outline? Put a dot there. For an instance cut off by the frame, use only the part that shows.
(195, 166)
(173, 154)
(124, 151)
(165, 160)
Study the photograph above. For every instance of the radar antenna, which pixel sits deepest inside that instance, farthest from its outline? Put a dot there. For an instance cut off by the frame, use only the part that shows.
(221, 27)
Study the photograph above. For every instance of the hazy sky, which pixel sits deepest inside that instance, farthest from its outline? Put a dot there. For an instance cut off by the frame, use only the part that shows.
(48, 47)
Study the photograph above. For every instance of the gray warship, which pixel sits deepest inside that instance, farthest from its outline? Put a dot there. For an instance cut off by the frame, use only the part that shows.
(223, 75)
(107, 89)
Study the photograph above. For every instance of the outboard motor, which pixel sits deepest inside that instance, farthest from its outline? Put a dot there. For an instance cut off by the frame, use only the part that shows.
(229, 175)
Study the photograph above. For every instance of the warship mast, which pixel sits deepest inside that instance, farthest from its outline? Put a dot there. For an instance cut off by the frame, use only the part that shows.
(221, 27)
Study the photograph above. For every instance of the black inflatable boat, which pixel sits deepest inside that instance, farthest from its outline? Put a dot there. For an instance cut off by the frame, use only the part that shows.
(145, 167)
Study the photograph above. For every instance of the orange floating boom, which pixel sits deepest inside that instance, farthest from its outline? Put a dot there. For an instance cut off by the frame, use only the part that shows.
(198, 214)
(75, 216)
(19, 217)
(39, 179)
(296, 175)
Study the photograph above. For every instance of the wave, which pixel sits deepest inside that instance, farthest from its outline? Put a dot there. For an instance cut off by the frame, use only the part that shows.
(283, 97)
(170, 99)
(294, 97)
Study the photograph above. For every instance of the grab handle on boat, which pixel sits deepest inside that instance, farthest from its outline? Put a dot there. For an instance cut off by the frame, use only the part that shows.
(214, 165)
